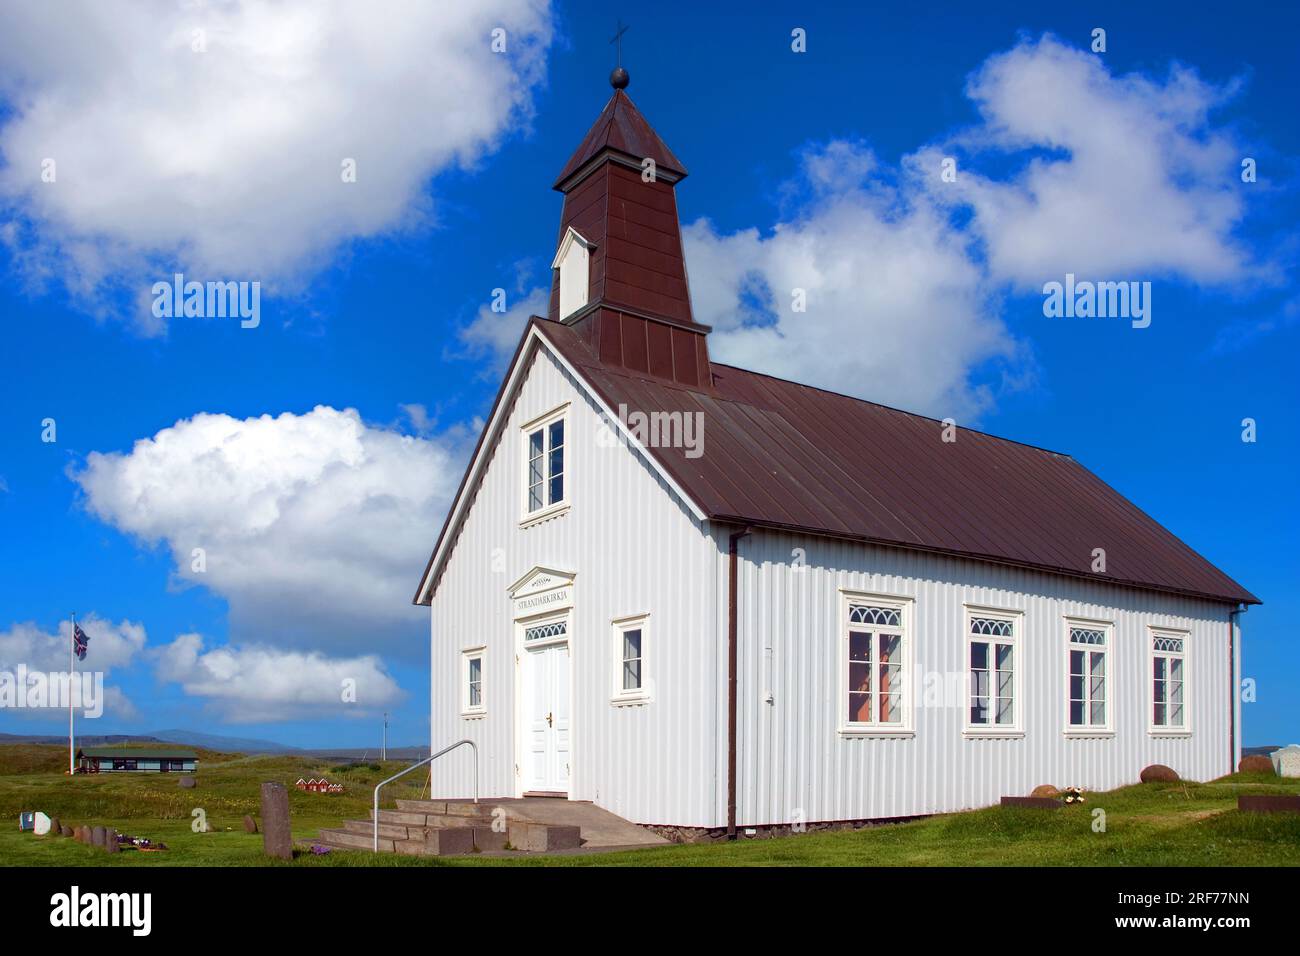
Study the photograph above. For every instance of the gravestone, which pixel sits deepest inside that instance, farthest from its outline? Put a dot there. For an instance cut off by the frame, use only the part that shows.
(55, 826)
(97, 835)
(276, 838)
(250, 825)
(67, 831)
(41, 824)
(186, 783)
(1287, 761)
(1255, 763)
(110, 840)
(79, 835)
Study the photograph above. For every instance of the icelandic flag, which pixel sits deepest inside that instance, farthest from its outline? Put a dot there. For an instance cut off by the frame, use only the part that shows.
(79, 642)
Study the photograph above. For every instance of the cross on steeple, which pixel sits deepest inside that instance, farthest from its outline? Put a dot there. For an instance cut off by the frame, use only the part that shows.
(618, 38)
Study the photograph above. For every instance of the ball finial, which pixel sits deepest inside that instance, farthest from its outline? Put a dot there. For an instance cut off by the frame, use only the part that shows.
(619, 78)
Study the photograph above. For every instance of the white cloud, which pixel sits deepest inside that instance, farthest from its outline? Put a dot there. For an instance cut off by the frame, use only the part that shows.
(315, 527)
(111, 645)
(896, 311)
(1126, 177)
(248, 684)
(227, 162)
(1113, 177)
(496, 334)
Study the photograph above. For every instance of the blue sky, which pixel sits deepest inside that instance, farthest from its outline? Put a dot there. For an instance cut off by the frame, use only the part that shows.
(316, 523)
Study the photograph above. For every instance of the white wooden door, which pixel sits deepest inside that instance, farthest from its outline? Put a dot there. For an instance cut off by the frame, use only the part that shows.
(546, 719)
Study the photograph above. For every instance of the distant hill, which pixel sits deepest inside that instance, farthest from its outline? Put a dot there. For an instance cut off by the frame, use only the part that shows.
(90, 740)
(246, 745)
(195, 738)
(191, 738)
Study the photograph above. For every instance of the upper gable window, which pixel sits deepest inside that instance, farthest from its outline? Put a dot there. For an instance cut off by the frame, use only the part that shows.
(573, 259)
(545, 464)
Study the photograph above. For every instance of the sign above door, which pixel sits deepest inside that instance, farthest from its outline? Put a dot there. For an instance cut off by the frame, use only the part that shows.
(542, 590)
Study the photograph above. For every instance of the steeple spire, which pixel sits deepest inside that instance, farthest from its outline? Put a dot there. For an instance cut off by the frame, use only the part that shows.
(620, 249)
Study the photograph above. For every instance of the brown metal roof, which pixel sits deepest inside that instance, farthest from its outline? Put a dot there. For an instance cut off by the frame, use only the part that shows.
(783, 455)
(621, 128)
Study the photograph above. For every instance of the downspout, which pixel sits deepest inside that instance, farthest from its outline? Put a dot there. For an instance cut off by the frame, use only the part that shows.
(1233, 688)
(733, 588)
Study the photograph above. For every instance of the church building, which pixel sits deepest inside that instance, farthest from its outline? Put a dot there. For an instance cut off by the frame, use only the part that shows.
(703, 597)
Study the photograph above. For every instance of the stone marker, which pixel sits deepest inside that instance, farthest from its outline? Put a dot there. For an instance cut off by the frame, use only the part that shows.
(66, 830)
(97, 835)
(186, 783)
(1287, 761)
(1159, 773)
(55, 826)
(1255, 763)
(1044, 790)
(276, 838)
(1033, 803)
(41, 823)
(110, 840)
(1285, 804)
(250, 825)
(79, 835)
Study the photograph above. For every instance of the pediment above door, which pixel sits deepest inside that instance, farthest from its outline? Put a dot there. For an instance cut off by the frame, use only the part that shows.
(542, 589)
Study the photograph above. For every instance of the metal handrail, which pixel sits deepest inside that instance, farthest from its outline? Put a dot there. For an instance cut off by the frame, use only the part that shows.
(429, 759)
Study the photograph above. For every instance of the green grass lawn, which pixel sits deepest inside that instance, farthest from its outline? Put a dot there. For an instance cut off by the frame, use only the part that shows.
(1146, 825)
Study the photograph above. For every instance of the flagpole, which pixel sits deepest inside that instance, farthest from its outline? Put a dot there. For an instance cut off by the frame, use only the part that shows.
(72, 667)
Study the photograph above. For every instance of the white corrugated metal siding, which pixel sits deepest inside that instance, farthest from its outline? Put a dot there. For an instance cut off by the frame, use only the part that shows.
(793, 764)
(634, 549)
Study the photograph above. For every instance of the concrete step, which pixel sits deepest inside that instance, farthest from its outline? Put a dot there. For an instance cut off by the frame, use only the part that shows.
(531, 825)
(456, 808)
(411, 818)
(447, 841)
(347, 840)
(401, 818)
(387, 831)
(543, 837)
(480, 837)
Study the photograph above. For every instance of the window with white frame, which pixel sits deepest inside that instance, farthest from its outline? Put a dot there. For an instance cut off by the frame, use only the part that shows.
(874, 665)
(992, 642)
(1168, 674)
(630, 684)
(1089, 675)
(472, 702)
(545, 484)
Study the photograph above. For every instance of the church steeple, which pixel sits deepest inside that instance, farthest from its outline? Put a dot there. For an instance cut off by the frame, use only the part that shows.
(619, 272)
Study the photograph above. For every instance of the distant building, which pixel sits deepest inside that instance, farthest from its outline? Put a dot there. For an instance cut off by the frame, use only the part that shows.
(140, 760)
